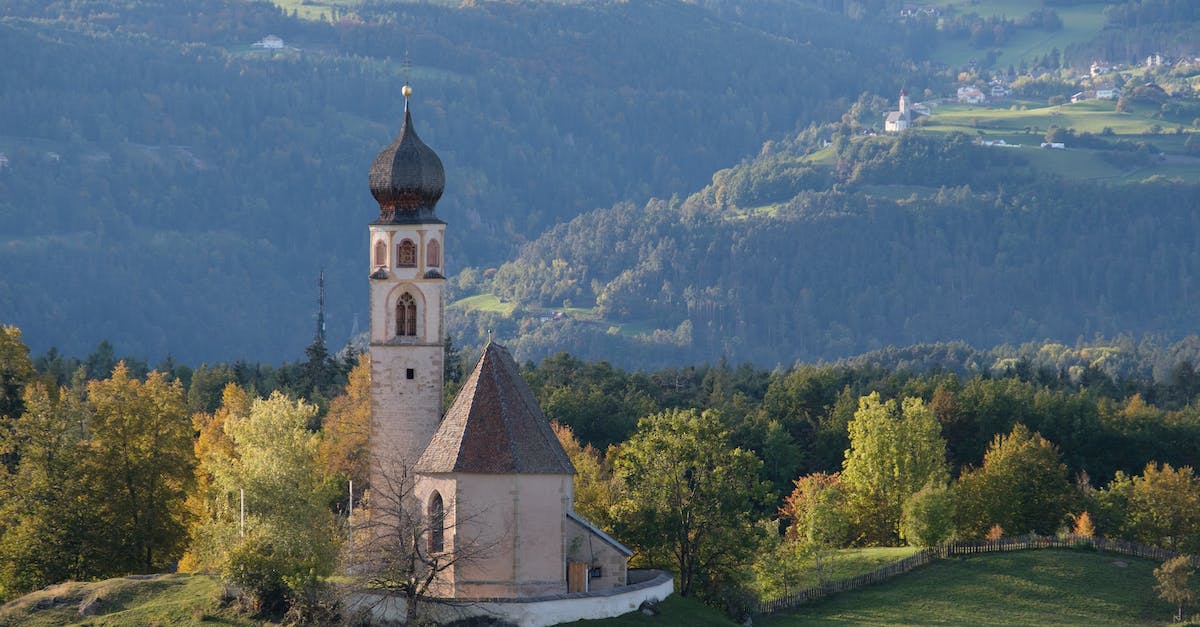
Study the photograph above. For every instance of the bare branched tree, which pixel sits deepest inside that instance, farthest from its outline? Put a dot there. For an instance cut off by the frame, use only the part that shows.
(403, 544)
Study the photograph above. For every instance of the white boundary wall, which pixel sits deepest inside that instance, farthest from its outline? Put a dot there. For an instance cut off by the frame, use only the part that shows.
(535, 612)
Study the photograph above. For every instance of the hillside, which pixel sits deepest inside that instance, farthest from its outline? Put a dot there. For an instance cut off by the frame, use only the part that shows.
(162, 175)
(140, 600)
(838, 240)
(170, 187)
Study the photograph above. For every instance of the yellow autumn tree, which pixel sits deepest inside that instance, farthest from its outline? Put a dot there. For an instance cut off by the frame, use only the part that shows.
(595, 489)
(346, 427)
(140, 449)
(1083, 525)
(213, 449)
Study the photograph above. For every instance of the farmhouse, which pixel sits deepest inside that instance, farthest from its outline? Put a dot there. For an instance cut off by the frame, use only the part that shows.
(1107, 91)
(970, 95)
(270, 42)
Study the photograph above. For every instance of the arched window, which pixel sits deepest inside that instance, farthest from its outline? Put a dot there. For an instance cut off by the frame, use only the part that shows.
(433, 254)
(406, 315)
(437, 524)
(406, 254)
(380, 253)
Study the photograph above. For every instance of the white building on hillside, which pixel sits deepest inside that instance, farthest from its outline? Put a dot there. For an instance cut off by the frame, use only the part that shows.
(901, 118)
(270, 42)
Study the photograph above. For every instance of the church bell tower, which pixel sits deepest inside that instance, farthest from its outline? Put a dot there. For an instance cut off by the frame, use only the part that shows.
(407, 297)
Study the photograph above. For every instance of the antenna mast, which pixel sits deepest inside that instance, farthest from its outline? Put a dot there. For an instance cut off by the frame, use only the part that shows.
(321, 310)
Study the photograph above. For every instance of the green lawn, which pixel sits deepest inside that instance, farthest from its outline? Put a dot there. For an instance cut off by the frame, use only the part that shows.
(853, 562)
(1080, 23)
(1043, 587)
(485, 302)
(1091, 116)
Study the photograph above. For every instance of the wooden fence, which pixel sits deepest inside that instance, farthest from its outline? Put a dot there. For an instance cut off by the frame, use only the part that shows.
(926, 556)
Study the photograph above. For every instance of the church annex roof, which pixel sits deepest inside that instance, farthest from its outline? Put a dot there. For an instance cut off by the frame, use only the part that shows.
(495, 426)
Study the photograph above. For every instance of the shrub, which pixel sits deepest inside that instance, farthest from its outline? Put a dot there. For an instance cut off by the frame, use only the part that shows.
(928, 517)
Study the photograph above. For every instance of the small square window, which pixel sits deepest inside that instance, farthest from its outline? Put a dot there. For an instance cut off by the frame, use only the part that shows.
(408, 374)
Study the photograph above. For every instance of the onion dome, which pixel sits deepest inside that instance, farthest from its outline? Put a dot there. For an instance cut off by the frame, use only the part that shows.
(407, 177)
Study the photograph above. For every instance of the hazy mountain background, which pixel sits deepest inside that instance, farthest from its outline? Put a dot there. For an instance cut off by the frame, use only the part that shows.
(648, 171)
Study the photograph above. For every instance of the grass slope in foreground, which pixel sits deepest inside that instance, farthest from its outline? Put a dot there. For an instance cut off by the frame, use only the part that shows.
(151, 600)
(1044, 587)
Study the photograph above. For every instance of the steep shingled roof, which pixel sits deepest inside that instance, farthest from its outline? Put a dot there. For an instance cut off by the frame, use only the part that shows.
(494, 426)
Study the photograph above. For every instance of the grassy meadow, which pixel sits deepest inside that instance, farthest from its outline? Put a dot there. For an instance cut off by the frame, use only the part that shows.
(1043, 587)
(484, 302)
(1080, 23)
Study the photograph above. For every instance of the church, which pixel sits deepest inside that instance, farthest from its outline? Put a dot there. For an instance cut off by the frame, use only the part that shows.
(488, 471)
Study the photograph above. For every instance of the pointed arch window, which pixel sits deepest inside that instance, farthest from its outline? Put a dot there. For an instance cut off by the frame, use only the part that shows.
(433, 254)
(380, 253)
(406, 315)
(436, 515)
(406, 254)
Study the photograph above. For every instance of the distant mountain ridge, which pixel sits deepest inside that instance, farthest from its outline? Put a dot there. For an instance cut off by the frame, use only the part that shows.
(174, 190)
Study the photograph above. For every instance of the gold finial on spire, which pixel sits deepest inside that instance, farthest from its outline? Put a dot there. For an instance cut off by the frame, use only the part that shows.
(406, 90)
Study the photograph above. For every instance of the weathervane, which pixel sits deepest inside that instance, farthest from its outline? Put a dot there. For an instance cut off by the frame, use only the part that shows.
(406, 90)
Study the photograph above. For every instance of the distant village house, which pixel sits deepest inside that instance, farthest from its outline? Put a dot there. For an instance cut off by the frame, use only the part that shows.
(1107, 91)
(914, 10)
(270, 42)
(971, 95)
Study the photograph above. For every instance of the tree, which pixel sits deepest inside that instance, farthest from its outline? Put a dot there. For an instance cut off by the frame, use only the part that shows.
(928, 517)
(688, 497)
(50, 524)
(1083, 526)
(346, 427)
(896, 448)
(397, 546)
(1164, 507)
(818, 522)
(1172, 584)
(780, 566)
(15, 371)
(214, 450)
(1022, 486)
(140, 449)
(596, 490)
(289, 541)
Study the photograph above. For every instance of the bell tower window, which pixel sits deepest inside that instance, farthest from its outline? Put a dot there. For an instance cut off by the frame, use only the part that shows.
(406, 254)
(406, 315)
(380, 253)
(433, 254)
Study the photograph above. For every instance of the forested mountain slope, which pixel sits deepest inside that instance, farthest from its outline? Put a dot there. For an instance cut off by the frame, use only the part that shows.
(173, 189)
(894, 241)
